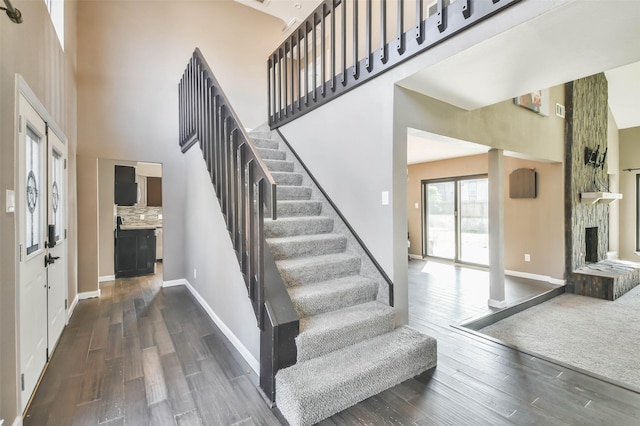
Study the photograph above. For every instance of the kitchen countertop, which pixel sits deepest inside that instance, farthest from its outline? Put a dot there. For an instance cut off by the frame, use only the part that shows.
(140, 226)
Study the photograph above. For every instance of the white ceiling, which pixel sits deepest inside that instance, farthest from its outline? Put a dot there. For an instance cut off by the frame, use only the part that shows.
(423, 147)
(624, 95)
(292, 13)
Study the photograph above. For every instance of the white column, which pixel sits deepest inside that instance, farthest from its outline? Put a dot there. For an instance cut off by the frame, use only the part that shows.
(496, 229)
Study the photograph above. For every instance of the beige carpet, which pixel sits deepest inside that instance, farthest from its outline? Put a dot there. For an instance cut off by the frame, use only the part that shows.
(596, 335)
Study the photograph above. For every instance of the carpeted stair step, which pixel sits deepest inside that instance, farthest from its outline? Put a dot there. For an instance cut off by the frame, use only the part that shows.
(285, 192)
(258, 134)
(279, 165)
(311, 391)
(291, 226)
(266, 143)
(330, 331)
(326, 296)
(271, 154)
(287, 178)
(307, 245)
(306, 270)
(290, 208)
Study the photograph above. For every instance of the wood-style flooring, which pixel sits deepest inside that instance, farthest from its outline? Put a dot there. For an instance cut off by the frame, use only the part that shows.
(142, 355)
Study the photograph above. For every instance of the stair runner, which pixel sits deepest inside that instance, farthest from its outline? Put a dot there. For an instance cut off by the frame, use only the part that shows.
(348, 347)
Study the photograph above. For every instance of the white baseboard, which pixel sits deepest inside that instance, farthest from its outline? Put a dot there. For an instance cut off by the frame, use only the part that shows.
(415, 256)
(72, 308)
(173, 283)
(253, 363)
(106, 278)
(555, 281)
(497, 303)
(89, 294)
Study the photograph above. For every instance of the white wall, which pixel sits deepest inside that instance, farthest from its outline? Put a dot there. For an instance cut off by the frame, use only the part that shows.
(629, 159)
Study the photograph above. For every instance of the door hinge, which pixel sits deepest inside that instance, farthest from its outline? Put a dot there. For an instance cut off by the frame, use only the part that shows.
(22, 381)
(46, 129)
(65, 163)
(19, 124)
(46, 351)
(65, 234)
(20, 252)
(65, 304)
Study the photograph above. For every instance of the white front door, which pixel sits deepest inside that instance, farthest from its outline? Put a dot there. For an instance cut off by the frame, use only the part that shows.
(41, 220)
(56, 238)
(31, 215)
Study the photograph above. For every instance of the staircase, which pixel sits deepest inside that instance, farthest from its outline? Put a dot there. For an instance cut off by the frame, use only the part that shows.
(348, 348)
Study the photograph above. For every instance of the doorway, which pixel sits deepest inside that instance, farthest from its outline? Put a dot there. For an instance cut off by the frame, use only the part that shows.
(456, 219)
(41, 216)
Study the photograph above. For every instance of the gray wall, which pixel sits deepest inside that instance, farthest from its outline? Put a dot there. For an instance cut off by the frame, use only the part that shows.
(32, 50)
(209, 252)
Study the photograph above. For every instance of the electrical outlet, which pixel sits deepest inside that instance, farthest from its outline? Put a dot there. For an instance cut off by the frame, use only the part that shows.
(195, 273)
(141, 217)
(417, 206)
(159, 216)
(527, 257)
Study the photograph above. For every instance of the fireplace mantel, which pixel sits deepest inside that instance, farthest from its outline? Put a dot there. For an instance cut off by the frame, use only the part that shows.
(600, 197)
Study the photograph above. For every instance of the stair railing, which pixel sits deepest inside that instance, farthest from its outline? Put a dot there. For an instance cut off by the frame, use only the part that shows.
(344, 43)
(246, 191)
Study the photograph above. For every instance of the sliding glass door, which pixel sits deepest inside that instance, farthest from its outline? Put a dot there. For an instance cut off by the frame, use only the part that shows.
(456, 219)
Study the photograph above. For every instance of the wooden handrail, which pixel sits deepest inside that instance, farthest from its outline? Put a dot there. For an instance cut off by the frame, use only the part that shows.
(246, 191)
(284, 104)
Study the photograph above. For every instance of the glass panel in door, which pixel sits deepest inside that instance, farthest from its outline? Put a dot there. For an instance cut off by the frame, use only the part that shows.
(474, 221)
(440, 220)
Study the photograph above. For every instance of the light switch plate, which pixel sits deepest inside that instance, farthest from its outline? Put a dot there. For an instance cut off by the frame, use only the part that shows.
(11, 204)
(385, 198)
(417, 206)
(141, 217)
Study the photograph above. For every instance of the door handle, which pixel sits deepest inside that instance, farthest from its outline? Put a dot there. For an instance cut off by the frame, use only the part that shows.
(50, 259)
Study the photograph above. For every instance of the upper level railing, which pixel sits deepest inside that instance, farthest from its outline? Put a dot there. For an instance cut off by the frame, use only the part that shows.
(344, 43)
(246, 192)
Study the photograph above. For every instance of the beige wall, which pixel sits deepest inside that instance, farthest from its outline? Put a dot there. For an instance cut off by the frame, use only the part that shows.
(629, 159)
(32, 50)
(613, 170)
(532, 226)
(131, 56)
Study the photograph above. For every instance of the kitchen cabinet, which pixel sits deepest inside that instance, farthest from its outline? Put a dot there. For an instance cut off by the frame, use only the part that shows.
(135, 252)
(154, 191)
(125, 188)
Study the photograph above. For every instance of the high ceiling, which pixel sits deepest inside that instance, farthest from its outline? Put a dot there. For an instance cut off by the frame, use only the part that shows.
(575, 40)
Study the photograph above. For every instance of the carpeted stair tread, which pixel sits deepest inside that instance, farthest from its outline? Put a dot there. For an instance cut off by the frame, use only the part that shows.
(289, 208)
(279, 165)
(306, 270)
(311, 391)
(272, 154)
(287, 178)
(261, 134)
(307, 245)
(266, 143)
(286, 192)
(291, 226)
(330, 331)
(326, 296)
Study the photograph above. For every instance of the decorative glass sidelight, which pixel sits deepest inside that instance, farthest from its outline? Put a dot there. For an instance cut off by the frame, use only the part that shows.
(33, 196)
(56, 193)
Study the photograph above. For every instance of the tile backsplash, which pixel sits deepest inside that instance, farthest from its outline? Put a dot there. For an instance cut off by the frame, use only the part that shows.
(131, 215)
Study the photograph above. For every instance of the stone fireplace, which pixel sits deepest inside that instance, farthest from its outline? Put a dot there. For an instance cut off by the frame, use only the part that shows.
(588, 272)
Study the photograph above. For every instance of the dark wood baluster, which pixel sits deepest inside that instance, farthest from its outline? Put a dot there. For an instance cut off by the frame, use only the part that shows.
(383, 31)
(269, 118)
(343, 50)
(419, 22)
(440, 16)
(323, 49)
(333, 46)
(356, 62)
(466, 9)
(400, 38)
(252, 224)
(260, 252)
(299, 70)
(369, 60)
(242, 219)
(285, 81)
(306, 65)
(315, 59)
(292, 80)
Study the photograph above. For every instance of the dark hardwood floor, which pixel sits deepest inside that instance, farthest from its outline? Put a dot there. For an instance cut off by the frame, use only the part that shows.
(142, 355)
